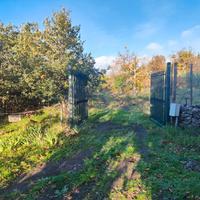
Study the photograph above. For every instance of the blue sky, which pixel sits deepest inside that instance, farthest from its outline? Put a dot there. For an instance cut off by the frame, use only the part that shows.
(146, 27)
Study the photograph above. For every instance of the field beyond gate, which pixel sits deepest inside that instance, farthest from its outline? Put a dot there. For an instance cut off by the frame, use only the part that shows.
(117, 154)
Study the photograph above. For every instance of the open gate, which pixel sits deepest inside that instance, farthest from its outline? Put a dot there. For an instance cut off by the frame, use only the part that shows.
(77, 98)
(160, 96)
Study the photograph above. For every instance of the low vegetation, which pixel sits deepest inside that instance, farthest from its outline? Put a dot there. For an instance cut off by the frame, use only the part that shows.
(25, 144)
(118, 153)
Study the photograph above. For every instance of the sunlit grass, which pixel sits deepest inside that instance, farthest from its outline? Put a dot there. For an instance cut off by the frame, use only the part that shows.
(116, 169)
(25, 144)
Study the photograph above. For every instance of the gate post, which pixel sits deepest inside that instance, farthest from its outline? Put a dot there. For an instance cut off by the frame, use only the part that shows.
(167, 91)
(191, 84)
(174, 83)
(71, 99)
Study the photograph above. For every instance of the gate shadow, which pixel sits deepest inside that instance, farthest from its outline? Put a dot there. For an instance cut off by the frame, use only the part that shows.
(110, 158)
(89, 173)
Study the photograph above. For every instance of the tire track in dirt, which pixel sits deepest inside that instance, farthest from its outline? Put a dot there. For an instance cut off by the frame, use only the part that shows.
(126, 168)
(51, 168)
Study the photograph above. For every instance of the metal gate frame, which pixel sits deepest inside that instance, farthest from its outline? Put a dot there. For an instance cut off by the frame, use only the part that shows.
(77, 98)
(163, 102)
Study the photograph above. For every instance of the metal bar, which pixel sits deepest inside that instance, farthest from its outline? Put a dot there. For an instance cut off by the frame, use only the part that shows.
(174, 83)
(167, 92)
(191, 84)
(81, 101)
(156, 122)
(157, 73)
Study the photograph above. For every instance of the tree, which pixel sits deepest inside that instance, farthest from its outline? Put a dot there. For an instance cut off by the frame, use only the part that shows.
(157, 63)
(131, 75)
(34, 63)
(183, 58)
(9, 73)
(64, 48)
(127, 65)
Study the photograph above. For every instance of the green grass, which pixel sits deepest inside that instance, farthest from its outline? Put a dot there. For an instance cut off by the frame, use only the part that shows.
(106, 173)
(166, 174)
(26, 143)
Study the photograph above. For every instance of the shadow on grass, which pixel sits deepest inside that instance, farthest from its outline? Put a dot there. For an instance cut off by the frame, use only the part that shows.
(112, 156)
(91, 160)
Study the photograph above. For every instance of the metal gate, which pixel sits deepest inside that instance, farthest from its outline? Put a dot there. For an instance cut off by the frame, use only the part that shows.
(160, 96)
(77, 98)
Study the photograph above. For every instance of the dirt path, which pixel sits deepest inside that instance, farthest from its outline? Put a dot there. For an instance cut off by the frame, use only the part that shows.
(126, 168)
(52, 168)
(141, 136)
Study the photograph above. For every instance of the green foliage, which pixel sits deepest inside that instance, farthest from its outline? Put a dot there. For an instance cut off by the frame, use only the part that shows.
(34, 63)
(119, 82)
(117, 168)
(24, 144)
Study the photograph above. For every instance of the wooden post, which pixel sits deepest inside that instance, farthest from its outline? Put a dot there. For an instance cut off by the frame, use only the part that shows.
(191, 84)
(167, 91)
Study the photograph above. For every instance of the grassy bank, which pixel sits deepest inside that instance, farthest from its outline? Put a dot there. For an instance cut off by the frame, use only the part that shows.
(118, 153)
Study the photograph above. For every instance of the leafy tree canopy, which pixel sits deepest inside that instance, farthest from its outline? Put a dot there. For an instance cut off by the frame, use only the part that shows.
(34, 63)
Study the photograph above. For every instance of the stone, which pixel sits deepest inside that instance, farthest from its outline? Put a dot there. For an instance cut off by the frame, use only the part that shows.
(14, 118)
(192, 165)
(189, 116)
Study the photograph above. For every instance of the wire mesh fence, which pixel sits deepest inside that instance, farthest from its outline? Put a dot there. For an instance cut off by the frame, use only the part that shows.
(186, 84)
(183, 85)
(196, 84)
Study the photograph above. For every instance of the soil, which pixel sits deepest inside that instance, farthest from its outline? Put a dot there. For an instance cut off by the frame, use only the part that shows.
(126, 167)
(52, 168)
(141, 135)
(110, 126)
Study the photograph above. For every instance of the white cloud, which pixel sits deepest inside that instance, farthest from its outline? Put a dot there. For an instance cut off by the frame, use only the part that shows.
(190, 38)
(191, 31)
(187, 39)
(103, 62)
(153, 46)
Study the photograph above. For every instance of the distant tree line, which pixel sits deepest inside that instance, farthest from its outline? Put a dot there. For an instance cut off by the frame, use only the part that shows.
(34, 61)
(130, 74)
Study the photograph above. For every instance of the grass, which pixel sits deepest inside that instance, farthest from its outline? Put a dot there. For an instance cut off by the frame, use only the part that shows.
(166, 174)
(116, 169)
(27, 143)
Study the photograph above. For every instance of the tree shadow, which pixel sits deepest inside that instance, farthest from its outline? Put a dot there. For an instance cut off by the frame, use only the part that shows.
(90, 157)
(108, 158)
(117, 178)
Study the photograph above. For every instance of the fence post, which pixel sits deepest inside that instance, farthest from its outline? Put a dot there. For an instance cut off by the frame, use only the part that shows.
(167, 91)
(174, 83)
(191, 84)
(71, 99)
